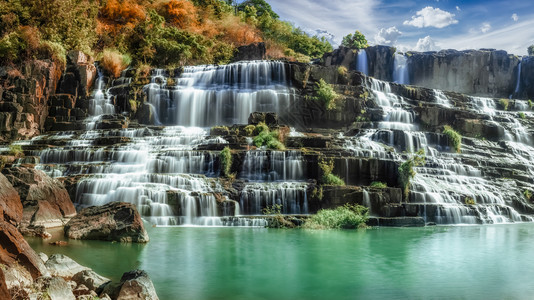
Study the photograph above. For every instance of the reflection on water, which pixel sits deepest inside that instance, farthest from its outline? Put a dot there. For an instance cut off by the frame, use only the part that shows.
(471, 262)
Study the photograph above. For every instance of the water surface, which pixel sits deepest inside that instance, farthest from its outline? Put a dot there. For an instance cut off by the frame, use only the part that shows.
(467, 262)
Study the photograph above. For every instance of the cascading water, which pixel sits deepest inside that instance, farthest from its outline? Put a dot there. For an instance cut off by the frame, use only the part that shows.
(361, 62)
(518, 83)
(220, 95)
(400, 69)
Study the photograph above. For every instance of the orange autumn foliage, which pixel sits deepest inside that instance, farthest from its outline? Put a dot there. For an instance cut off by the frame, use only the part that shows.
(123, 11)
(181, 13)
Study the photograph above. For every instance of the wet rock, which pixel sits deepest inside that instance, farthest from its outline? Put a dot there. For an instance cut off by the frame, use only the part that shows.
(133, 285)
(63, 266)
(254, 51)
(10, 205)
(59, 243)
(15, 249)
(91, 280)
(116, 221)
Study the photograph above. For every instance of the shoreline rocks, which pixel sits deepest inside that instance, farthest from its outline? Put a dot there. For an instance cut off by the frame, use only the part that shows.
(116, 221)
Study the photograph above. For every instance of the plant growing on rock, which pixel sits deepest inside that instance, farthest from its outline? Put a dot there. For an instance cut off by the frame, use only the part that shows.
(325, 93)
(342, 71)
(268, 138)
(378, 184)
(348, 216)
(522, 115)
(469, 201)
(454, 137)
(407, 172)
(226, 162)
(527, 194)
(530, 104)
(504, 103)
(114, 62)
(327, 177)
(278, 220)
(16, 150)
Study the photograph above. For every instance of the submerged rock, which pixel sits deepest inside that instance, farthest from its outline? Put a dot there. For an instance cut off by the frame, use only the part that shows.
(116, 221)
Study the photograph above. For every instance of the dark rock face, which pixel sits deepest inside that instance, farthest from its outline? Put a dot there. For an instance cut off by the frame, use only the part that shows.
(381, 60)
(10, 205)
(46, 202)
(270, 119)
(476, 72)
(527, 78)
(115, 221)
(14, 249)
(254, 51)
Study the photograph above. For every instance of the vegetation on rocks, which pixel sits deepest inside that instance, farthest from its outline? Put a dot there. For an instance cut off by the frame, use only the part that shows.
(407, 172)
(504, 103)
(378, 184)
(454, 137)
(348, 216)
(325, 93)
(327, 178)
(114, 62)
(226, 162)
(356, 40)
(266, 137)
(527, 194)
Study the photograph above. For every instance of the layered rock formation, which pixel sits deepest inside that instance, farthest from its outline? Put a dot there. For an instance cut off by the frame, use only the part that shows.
(112, 222)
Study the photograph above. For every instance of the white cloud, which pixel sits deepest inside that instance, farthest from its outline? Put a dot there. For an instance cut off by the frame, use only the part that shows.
(485, 27)
(322, 33)
(458, 8)
(431, 17)
(515, 17)
(426, 44)
(387, 36)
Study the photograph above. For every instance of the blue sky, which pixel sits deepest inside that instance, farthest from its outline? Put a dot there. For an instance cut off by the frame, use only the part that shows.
(418, 24)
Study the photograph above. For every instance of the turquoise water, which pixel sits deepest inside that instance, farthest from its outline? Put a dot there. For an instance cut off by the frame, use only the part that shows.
(462, 262)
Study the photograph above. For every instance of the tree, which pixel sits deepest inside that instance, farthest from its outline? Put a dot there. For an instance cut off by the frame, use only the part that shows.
(261, 6)
(356, 40)
(531, 50)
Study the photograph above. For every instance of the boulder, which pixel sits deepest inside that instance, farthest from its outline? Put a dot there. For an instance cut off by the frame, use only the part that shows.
(10, 205)
(4, 293)
(46, 202)
(254, 51)
(55, 287)
(63, 266)
(91, 280)
(116, 221)
(133, 285)
(14, 249)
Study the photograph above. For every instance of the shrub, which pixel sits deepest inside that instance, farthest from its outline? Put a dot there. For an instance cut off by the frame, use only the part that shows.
(268, 139)
(504, 103)
(407, 172)
(527, 194)
(113, 62)
(249, 130)
(261, 127)
(343, 217)
(341, 70)
(454, 137)
(530, 103)
(522, 115)
(356, 40)
(226, 162)
(54, 51)
(327, 177)
(378, 184)
(16, 150)
(469, 201)
(325, 93)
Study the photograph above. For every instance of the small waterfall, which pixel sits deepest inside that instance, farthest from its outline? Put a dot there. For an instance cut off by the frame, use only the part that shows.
(441, 99)
(100, 103)
(400, 69)
(361, 62)
(291, 195)
(260, 165)
(518, 83)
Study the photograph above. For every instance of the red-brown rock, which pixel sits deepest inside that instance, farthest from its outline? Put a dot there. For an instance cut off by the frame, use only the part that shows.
(4, 293)
(10, 205)
(14, 248)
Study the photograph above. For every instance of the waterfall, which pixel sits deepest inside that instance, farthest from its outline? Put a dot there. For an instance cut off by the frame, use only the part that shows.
(262, 165)
(100, 103)
(400, 69)
(361, 62)
(518, 83)
(291, 195)
(441, 99)
(205, 96)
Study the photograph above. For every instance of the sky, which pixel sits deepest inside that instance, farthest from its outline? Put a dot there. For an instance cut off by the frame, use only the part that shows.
(420, 25)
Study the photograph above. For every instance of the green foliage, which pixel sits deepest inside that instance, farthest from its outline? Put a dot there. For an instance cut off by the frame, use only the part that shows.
(3, 162)
(454, 137)
(262, 8)
(226, 162)
(54, 51)
(522, 115)
(327, 177)
(530, 103)
(269, 139)
(531, 50)
(325, 93)
(275, 209)
(356, 40)
(343, 217)
(16, 150)
(469, 201)
(261, 127)
(407, 172)
(249, 130)
(504, 103)
(527, 194)
(11, 45)
(378, 184)
(342, 71)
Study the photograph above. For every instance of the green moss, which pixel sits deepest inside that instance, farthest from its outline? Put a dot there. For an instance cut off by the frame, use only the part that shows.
(504, 103)
(378, 184)
(454, 137)
(327, 177)
(347, 216)
(325, 93)
(226, 162)
(16, 150)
